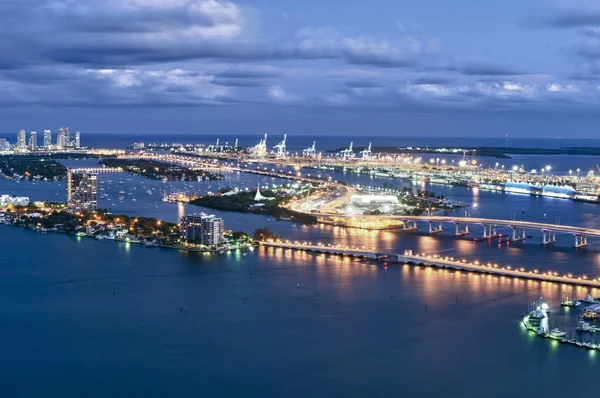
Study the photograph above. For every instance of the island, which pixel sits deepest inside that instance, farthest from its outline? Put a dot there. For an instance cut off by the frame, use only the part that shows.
(103, 225)
(32, 168)
(155, 170)
(244, 202)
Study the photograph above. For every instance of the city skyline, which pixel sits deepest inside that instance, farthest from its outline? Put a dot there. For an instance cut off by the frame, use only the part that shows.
(248, 67)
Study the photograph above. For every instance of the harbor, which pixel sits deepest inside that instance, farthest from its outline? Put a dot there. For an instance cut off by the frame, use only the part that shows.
(578, 328)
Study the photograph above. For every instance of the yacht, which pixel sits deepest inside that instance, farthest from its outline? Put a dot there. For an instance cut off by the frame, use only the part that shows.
(583, 326)
(588, 299)
(556, 333)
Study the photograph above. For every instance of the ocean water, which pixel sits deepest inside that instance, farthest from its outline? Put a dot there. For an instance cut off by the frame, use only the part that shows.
(81, 317)
(91, 318)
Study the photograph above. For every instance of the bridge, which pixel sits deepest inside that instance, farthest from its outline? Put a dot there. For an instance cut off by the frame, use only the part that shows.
(517, 228)
(97, 170)
(435, 223)
(433, 260)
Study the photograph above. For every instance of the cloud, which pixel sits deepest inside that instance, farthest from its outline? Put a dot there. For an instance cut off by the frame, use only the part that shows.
(577, 14)
(486, 69)
(362, 84)
(326, 42)
(278, 94)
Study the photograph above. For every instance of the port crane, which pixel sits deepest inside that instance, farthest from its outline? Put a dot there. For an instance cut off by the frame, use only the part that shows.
(348, 153)
(366, 153)
(310, 152)
(280, 150)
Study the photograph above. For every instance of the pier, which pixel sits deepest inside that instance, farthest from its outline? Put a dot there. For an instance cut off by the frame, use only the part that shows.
(433, 260)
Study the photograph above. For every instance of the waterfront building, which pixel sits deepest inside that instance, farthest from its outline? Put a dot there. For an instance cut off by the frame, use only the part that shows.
(368, 200)
(47, 139)
(33, 141)
(6, 200)
(202, 229)
(21, 141)
(66, 140)
(4, 145)
(82, 190)
(60, 140)
(77, 140)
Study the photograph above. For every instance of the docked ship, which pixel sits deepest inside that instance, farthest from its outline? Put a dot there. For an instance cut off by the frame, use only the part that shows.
(537, 319)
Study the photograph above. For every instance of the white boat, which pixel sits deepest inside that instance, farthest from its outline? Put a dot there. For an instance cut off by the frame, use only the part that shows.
(583, 326)
(588, 299)
(556, 333)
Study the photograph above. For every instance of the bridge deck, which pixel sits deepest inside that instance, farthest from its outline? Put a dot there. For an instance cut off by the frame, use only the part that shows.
(442, 262)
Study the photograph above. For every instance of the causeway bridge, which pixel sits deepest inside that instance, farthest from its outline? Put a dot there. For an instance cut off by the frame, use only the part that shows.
(437, 261)
(517, 229)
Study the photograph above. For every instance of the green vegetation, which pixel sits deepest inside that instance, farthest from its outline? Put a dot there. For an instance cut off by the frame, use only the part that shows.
(31, 168)
(264, 234)
(243, 202)
(158, 170)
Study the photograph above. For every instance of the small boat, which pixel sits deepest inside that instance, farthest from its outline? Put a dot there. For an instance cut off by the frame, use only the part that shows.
(556, 333)
(583, 326)
(589, 315)
(588, 299)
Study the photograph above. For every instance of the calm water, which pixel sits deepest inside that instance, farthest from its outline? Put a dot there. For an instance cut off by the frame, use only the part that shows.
(76, 313)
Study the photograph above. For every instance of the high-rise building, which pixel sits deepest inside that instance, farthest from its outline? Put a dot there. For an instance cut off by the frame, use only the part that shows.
(202, 229)
(47, 139)
(60, 140)
(4, 145)
(66, 137)
(21, 141)
(77, 140)
(82, 190)
(33, 141)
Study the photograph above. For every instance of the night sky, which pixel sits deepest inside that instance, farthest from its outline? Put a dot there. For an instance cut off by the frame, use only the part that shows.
(346, 67)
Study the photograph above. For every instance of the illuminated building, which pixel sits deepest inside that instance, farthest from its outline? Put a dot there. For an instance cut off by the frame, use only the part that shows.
(66, 140)
(202, 229)
(60, 140)
(33, 141)
(82, 190)
(47, 139)
(4, 145)
(21, 144)
(77, 140)
(6, 200)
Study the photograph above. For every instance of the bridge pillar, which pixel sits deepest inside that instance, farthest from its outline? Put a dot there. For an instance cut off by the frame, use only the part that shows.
(518, 234)
(456, 229)
(466, 229)
(580, 240)
(548, 237)
(432, 230)
(485, 231)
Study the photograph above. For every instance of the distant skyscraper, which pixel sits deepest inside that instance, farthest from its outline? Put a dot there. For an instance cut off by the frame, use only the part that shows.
(4, 145)
(77, 140)
(60, 139)
(82, 190)
(21, 141)
(66, 137)
(203, 229)
(47, 139)
(33, 141)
